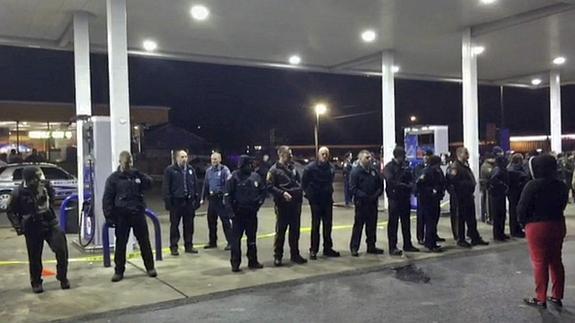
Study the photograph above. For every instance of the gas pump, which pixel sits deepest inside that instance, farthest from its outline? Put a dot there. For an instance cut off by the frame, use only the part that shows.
(95, 156)
(418, 140)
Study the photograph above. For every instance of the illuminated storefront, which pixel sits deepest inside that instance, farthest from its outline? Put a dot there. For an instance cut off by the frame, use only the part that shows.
(50, 127)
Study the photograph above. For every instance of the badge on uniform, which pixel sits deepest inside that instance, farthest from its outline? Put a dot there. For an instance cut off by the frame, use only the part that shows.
(256, 184)
(138, 181)
(190, 171)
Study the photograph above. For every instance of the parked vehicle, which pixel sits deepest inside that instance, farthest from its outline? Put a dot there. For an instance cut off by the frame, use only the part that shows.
(11, 176)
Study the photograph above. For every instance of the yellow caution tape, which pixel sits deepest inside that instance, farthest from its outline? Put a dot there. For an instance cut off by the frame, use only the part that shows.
(100, 258)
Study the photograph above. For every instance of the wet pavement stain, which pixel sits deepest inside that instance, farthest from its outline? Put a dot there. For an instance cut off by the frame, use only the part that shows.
(412, 273)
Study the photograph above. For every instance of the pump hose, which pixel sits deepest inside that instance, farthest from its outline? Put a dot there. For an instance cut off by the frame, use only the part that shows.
(88, 212)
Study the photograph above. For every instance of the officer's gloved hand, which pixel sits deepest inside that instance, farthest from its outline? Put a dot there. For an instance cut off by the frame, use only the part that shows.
(168, 205)
(110, 223)
(19, 231)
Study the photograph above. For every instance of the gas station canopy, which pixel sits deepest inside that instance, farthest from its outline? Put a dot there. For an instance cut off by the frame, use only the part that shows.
(520, 38)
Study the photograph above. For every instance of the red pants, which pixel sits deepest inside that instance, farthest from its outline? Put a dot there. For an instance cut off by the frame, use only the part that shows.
(545, 240)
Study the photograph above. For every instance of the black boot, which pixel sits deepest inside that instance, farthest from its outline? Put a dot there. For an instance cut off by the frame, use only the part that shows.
(254, 264)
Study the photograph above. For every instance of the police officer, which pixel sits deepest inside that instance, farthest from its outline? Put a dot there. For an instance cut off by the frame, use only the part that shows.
(123, 205)
(264, 166)
(347, 167)
(214, 187)
(431, 189)
(245, 194)
(31, 214)
(517, 180)
(180, 192)
(399, 180)
(485, 172)
(498, 186)
(419, 222)
(284, 183)
(317, 183)
(366, 187)
(462, 184)
(452, 205)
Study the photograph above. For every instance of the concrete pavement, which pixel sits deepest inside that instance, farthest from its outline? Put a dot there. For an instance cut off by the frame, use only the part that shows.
(191, 278)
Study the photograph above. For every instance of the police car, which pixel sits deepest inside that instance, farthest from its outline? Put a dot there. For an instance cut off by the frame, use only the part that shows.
(11, 176)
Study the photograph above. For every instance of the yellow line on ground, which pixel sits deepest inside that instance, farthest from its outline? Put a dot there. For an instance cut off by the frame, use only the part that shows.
(100, 258)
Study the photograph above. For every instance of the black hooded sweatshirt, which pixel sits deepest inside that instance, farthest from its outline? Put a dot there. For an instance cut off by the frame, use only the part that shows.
(245, 189)
(545, 197)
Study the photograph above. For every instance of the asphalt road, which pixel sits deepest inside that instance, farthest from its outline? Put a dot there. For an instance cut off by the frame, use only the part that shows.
(484, 287)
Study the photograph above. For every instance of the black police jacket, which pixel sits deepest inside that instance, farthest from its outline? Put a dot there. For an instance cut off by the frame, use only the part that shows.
(431, 184)
(124, 192)
(399, 179)
(245, 191)
(317, 182)
(498, 183)
(23, 208)
(366, 184)
(460, 180)
(284, 178)
(173, 185)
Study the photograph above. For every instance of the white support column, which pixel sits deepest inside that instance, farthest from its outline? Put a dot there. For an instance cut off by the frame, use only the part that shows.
(555, 109)
(470, 107)
(118, 76)
(83, 88)
(388, 105)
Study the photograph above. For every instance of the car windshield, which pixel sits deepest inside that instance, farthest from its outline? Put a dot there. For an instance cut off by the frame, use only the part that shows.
(17, 175)
(53, 173)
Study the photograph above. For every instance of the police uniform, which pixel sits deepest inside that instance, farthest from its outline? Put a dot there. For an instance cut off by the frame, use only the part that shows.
(419, 222)
(485, 172)
(399, 180)
(452, 207)
(31, 214)
(180, 192)
(245, 194)
(462, 185)
(213, 191)
(123, 205)
(497, 187)
(284, 178)
(347, 167)
(317, 183)
(366, 186)
(431, 189)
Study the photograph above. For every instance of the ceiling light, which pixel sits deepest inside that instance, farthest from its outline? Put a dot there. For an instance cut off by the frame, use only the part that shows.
(478, 50)
(395, 69)
(536, 81)
(488, 1)
(368, 36)
(200, 12)
(150, 45)
(559, 60)
(294, 60)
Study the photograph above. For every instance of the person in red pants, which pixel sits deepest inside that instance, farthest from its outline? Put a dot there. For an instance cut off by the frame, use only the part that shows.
(540, 211)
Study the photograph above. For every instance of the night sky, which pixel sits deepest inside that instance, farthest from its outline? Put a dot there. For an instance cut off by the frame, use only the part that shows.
(236, 106)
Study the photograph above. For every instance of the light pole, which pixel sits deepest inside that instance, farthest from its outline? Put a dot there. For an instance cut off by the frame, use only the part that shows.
(319, 109)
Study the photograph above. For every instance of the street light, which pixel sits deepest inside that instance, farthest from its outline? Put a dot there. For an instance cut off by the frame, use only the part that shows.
(413, 118)
(320, 108)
